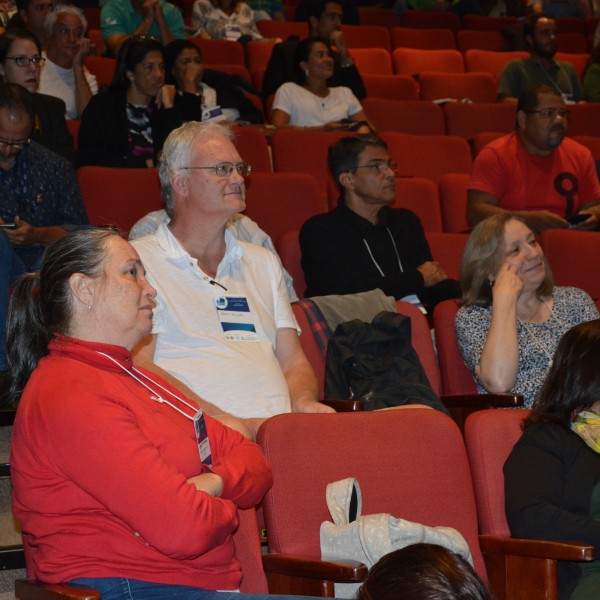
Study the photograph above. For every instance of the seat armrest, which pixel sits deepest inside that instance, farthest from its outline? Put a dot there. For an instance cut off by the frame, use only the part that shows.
(480, 401)
(345, 405)
(572, 551)
(310, 567)
(36, 590)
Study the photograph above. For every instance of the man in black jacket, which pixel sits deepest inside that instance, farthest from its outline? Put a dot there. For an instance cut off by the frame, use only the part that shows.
(363, 244)
(324, 20)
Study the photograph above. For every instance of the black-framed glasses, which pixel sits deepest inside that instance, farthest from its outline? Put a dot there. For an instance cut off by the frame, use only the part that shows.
(225, 169)
(551, 113)
(16, 145)
(23, 61)
(380, 167)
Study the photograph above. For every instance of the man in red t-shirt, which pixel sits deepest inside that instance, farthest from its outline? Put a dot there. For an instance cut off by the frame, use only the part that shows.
(547, 179)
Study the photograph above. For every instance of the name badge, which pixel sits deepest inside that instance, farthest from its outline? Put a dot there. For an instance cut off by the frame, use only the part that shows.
(213, 114)
(236, 319)
(202, 439)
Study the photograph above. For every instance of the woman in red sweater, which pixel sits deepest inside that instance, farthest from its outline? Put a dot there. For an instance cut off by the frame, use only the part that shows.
(111, 485)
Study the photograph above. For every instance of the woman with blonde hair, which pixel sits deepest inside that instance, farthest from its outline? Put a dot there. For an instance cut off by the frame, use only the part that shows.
(512, 315)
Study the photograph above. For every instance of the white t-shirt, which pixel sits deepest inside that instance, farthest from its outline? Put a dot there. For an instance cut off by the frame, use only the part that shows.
(59, 82)
(244, 378)
(308, 110)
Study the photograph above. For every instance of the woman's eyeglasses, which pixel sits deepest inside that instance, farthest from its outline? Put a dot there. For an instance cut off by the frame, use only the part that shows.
(23, 61)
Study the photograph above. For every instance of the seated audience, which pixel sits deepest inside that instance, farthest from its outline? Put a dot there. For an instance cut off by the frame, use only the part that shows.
(324, 20)
(311, 103)
(551, 476)
(422, 572)
(39, 196)
(520, 74)
(31, 15)
(224, 329)
(122, 19)
(64, 74)
(591, 77)
(124, 496)
(20, 62)
(126, 126)
(220, 95)
(224, 20)
(512, 315)
(364, 244)
(547, 178)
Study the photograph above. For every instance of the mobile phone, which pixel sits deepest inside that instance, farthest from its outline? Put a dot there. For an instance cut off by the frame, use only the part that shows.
(8, 225)
(578, 218)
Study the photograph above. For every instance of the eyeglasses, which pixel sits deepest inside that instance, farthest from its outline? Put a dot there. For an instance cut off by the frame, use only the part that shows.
(550, 113)
(380, 167)
(23, 61)
(16, 145)
(225, 169)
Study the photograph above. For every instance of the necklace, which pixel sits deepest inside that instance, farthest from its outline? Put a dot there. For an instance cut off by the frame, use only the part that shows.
(537, 342)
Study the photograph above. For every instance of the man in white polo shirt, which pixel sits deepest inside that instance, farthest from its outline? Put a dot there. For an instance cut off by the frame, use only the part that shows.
(223, 325)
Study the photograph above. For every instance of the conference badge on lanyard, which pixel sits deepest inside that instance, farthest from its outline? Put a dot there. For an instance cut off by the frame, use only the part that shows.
(202, 439)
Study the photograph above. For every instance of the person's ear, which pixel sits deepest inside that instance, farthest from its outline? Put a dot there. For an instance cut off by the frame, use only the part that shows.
(314, 23)
(304, 67)
(347, 180)
(23, 15)
(130, 75)
(180, 184)
(521, 119)
(82, 288)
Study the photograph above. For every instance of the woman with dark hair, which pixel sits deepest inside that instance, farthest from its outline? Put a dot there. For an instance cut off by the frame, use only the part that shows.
(310, 103)
(127, 126)
(552, 476)
(113, 487)
(220, 95)
(591, 77)
(20, 62)
(512, 316)
(423, 572)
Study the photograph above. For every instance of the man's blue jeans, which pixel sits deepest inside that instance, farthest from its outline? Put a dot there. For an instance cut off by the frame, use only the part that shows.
(119, 588)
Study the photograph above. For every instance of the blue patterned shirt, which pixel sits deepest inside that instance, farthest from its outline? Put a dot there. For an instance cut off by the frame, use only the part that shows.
(40, 188)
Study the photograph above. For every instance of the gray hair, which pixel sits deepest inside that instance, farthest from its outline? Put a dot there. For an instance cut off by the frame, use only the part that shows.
(60, 9)
(178, 148)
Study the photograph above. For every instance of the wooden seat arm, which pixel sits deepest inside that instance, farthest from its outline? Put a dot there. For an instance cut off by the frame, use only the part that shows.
(37, 590)
(572, 551)
(344, 405)
(482, 401)
(310, 567)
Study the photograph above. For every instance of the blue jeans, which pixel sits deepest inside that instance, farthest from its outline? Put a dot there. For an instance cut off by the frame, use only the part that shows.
(119, 588)
(11, 267)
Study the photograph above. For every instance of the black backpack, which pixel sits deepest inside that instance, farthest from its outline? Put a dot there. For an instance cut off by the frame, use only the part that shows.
(377, 364)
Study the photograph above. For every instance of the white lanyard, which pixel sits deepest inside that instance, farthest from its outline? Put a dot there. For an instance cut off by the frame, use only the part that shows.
(155, 395)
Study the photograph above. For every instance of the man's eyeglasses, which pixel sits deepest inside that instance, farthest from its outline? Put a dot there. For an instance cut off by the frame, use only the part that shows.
(23, 61)
(16, 145)
(225, 169)
(380, 167)
(551, 113)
